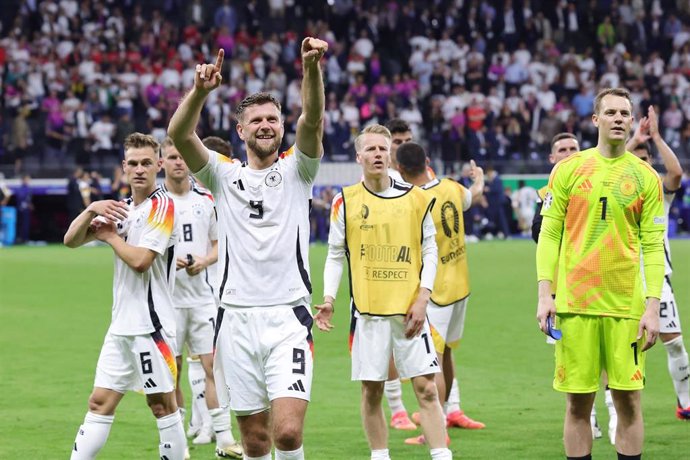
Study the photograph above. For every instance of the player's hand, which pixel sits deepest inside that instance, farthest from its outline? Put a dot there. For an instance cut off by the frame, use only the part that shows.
(200, 263)
(207, 76)
(545, 308)
(112, 210)
(649, 323)
(415, 318)
(102, 229)
(180, 263)
(324, 315)
(653, 123)
(476, 172)
(312, 50)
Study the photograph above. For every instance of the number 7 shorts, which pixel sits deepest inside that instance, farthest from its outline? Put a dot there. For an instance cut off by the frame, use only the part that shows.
(261, 354)
(137, 362)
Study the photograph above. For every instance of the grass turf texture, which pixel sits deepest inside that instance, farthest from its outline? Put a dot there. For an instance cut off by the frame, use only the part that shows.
(55, 309)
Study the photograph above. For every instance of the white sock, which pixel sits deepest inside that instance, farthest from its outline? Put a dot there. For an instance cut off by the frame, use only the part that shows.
(453, 403)
(263, 457)
(593, 416)
(441, 454)
(297, 454)
(92, 435)
(197, 382)
(609, 402)
(221, 426)
(678, 368)
(172, 439)
(381, 454)
(393, 391)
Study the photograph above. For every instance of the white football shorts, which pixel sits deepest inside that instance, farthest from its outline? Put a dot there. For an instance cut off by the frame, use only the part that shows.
(376, 337)
(669, 317)
(261, 354)
(137, 362)
(447, 323)
(195, 327)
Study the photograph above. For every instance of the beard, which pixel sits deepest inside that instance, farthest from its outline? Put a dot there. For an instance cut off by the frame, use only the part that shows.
(261, 150)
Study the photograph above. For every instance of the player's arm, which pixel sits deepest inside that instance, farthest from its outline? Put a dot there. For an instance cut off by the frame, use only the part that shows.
(137, 258)
(477, 187)
(310, 123)
(416, 314)
(652, 229)
(185, 119)
(80, 230)
(536, 222)
(674, 171)
(549, 242)
(333, 268)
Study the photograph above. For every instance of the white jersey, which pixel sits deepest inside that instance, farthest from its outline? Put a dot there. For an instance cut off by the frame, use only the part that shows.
(668, 199)
(197, 229)
(142, 302)
(263, 228)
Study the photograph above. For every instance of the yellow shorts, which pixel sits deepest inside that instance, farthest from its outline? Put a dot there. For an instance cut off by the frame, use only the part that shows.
(591, 344)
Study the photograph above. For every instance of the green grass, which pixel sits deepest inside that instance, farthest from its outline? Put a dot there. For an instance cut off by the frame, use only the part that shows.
(55, 309)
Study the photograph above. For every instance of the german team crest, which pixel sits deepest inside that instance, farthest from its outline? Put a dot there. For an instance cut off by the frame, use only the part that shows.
(273, 179)
(628, 186)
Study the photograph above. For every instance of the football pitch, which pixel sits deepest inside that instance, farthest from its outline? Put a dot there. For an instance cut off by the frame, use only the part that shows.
(55, 309)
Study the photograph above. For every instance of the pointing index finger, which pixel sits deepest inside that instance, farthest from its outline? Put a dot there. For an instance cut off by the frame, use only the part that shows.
(219, 60)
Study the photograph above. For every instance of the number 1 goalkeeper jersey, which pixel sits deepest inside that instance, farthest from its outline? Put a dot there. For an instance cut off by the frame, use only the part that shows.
(598, 214)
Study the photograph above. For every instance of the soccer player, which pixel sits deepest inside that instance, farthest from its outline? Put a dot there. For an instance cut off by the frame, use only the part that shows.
(602, 206)
(263, 332)
(448, 303)
(195, 304)
(138, 351)
(669, 320)
(562, 146)
(387, 233)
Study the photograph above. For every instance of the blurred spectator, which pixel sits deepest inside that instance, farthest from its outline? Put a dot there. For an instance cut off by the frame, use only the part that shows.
(496, 200)
(20, 138)
(24, 202)
(74, 200)
(101, 132)
(524, 202)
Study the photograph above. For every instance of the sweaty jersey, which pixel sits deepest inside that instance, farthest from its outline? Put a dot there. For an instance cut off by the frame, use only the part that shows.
(598, 214)
(197, 229)
(263, 228)
(142, 302)
(452, 279)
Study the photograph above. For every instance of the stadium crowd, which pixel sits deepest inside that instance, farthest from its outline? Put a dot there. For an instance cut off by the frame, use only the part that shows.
(485, 80)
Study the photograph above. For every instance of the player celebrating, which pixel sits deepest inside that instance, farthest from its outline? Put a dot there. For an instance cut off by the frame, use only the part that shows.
(138, 351)
(446, 309)
(601, 206)
(385, 229)
(669, 321)
(195, 305)
(263, 331)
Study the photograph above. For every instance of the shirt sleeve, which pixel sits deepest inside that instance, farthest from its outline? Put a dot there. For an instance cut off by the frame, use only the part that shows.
(333, 268)
(652, 227)
(429, 252)
(213, 225)
(159, 224)
(466, 197)
(553, 213)
(210, 172)
(307, 167)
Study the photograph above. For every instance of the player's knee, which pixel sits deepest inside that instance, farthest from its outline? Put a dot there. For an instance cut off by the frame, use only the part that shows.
(161, 408)
(372, 392)
(256, 443)
(97, 404)
(288, 436)
(426, 390)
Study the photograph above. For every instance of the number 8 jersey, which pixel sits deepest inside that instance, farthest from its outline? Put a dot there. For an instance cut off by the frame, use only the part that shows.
(263, 228)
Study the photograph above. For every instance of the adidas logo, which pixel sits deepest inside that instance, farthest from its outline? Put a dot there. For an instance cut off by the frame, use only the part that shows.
(297, 386)
(637, 376)
(201, 395)
(150, 384)
(672, 324)
(434, 363)
(165, 457)
(585, 186)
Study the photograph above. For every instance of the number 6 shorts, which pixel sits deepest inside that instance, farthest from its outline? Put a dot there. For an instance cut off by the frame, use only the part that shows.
(137, 362)
(261, 354)
(591, 344)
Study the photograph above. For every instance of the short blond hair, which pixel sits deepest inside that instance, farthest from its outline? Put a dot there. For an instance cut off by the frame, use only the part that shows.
(139, 140)
(372, 129)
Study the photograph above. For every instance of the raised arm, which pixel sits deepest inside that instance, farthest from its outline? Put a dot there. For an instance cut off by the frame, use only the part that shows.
(674, 171)
(310, 122)
(477, 187)
(182, 128)
(80, 231)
